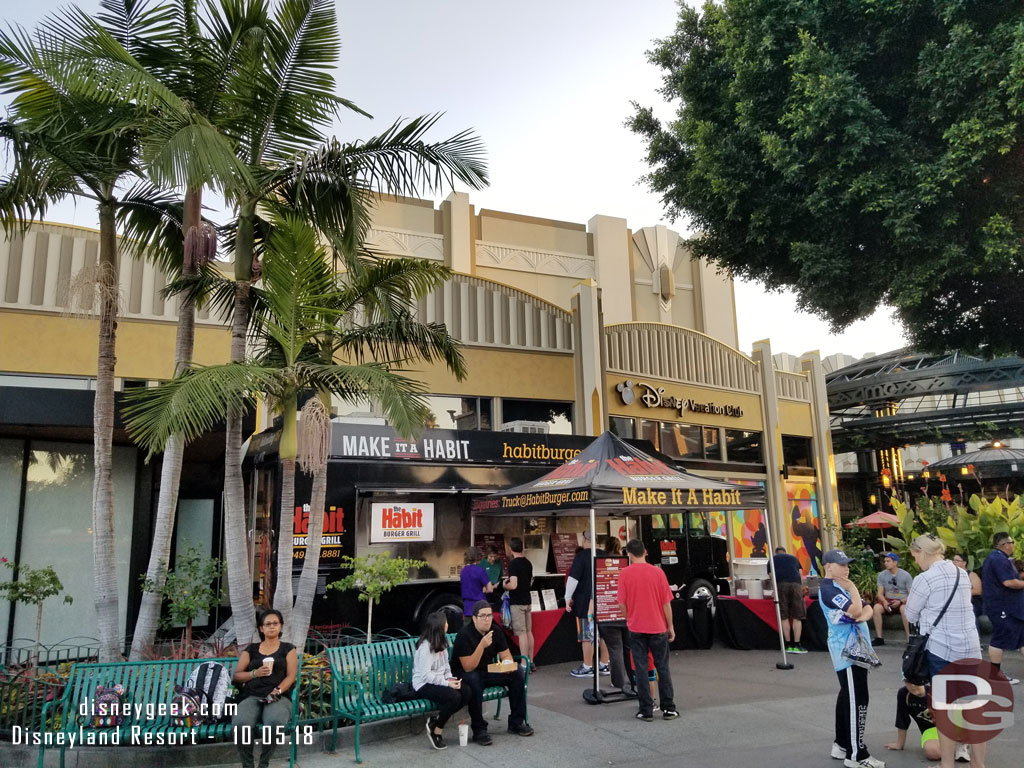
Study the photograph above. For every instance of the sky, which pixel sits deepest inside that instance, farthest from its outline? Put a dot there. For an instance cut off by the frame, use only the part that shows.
(547, 86)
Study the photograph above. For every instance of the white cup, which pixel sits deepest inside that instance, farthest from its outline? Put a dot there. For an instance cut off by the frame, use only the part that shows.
(463, 734)
(268, 661)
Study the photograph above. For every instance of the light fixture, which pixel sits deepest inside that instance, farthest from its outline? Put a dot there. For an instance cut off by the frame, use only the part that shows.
(886, 482)
(926, 473)
(963, 470)
(910, 477)
(996, 444)
(873, 499)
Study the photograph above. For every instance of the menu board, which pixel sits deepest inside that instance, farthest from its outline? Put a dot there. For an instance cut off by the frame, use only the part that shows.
(564, 546)
(608, 570)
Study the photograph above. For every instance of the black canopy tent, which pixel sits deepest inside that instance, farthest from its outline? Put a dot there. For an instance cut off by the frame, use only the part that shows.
(612, 478)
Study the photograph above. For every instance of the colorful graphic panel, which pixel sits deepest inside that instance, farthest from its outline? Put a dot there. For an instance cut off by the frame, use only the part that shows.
(750, 539)
(716, 521)
(804, 525)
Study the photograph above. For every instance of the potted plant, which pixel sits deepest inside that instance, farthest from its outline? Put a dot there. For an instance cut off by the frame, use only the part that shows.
(373, 575)
(32, 586)
(188, 590)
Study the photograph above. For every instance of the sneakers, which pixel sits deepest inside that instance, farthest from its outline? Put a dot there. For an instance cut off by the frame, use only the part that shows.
(436, 739)
(646, 718)
(878, 641)
(867, 762)
(1012, 680)
(795, 648)
(838, 753)
(669, 714)
(963, 753)
(582, 671)
(483, 739)
(604, 669)
(656, 708)
(522, 730)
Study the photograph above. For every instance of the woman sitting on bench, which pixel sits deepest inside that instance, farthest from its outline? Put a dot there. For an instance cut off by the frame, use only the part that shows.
(432, 677)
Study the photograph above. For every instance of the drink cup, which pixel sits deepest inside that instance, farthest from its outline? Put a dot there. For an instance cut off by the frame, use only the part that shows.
(463, 734)
(268, 661)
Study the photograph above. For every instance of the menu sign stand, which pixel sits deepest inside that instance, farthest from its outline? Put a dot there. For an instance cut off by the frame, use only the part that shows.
(609, 614)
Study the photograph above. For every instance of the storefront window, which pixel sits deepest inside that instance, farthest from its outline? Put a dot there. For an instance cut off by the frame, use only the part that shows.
(796, 451)
(743, 447)
(57, 531)
(468, 413)
(11, 452)
(681, 441)
(649, 431)
(549, 417)
(622, 427)
(712, 444)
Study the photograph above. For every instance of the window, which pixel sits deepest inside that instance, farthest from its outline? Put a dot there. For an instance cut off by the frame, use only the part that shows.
(796, 451)
(622, 427)
(681, 441)
(538, 416)
(712, 444)
(449, 412)
(697, 524)
(743, 447)
(649, 431)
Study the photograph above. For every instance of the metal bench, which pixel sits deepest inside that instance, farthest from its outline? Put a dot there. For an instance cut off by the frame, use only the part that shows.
(361, 673)
(148, 690)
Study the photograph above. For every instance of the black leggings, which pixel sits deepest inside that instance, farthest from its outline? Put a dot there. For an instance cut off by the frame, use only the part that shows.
(852, 711)
(449, 700)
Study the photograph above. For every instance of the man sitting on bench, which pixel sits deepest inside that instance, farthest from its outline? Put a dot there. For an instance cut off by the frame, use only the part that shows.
(476, 646)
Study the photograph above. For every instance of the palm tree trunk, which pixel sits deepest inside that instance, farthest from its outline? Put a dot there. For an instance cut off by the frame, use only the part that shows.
(104, 559)
(311, 563)
(283, 594)
(236, 550)
(174, 451)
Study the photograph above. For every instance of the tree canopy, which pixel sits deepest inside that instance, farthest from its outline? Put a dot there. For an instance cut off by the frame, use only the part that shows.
(858, 152)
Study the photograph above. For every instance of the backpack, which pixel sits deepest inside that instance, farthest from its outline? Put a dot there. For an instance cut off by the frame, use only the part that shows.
(187, 707)
(209, 682)
(107, 706)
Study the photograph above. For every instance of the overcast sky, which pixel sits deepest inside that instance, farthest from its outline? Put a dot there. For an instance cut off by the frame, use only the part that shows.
(547, 85)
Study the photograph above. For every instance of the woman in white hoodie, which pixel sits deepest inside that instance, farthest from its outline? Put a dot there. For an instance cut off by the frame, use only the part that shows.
(432, 677)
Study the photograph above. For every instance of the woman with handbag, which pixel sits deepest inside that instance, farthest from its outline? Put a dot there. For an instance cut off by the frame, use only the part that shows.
(940, 604)
(432, 677)
(847, 615)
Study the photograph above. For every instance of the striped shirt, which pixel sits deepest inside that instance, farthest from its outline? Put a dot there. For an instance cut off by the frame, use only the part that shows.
(956, 636)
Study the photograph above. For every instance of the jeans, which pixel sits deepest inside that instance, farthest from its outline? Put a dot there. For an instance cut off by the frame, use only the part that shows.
(449, 700)
(613, 638)
(657, 644)
(477, 680)
(252, 712)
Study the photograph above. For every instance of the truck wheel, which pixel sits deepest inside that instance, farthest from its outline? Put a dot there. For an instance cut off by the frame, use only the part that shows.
(450, 604)
(701, 589)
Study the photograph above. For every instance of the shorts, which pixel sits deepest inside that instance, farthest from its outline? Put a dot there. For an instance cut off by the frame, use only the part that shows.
(930, 735)
(584, 630)
(652, 673)
(791, 601)
(522, 619)
(1007, 632)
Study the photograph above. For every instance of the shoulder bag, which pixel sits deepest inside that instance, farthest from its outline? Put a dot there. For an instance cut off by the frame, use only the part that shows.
(915, 657)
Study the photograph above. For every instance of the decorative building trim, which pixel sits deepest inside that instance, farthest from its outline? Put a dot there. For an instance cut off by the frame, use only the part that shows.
(793, 386)
(679, 354)
(534, 260)
(405, 243)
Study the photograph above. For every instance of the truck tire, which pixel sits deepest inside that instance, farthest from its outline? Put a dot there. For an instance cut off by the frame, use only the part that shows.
(447, 602)
(702, 589)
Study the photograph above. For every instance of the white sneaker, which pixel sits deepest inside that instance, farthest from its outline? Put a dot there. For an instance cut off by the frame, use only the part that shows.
(1012, 680)
(867, 762)
(838, 753)
(656, 708)
(963, 753)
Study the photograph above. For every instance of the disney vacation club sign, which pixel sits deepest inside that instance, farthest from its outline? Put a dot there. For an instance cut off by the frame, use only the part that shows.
(655, 397)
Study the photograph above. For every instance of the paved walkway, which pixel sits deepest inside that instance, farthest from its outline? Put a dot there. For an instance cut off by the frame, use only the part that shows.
(737, 710)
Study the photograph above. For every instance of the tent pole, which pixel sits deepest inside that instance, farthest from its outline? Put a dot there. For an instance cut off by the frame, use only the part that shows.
(784, 664)
(593, 596)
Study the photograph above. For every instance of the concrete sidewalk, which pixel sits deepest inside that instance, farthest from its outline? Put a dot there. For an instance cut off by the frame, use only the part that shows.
(736, 709)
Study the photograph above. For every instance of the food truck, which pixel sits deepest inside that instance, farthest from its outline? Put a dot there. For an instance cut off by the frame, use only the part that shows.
(412, 498)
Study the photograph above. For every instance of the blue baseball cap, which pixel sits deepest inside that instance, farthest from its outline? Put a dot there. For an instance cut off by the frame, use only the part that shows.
(891, 555)
(836, 556)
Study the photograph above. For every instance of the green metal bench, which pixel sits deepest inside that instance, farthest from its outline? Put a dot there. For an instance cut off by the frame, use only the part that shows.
(361, 673)
(149, 685)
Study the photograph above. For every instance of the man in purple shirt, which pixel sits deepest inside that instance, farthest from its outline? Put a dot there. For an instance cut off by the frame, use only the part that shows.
(474, 580)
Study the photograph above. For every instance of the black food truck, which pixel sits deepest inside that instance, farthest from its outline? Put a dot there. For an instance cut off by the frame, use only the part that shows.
(373, 474)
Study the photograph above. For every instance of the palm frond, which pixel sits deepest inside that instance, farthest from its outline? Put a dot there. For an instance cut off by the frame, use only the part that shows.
(149, 219)
(388, 287)
(400, 397)
(137, 25)
(193, 402)
(400, 341)
(33, 182)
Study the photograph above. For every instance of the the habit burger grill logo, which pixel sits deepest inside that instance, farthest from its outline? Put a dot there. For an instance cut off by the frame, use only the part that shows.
(539, 452)
(639, 469)
(334, 526)
(566, 473)
(401, 522)
(655, 397)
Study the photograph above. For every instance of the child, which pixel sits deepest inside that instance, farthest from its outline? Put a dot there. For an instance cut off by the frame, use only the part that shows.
(912, 704)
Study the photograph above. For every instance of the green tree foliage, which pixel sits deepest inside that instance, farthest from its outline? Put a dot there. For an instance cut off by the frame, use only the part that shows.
(372, 576)
(858, 153)
(188, 589)
(32, 586)
(856, 542)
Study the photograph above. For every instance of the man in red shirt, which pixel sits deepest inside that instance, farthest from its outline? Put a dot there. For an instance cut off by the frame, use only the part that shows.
(647, 602)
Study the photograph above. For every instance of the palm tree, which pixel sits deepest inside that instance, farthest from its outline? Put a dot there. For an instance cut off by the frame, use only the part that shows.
(304, 325)
(283, 91)
(84, 123)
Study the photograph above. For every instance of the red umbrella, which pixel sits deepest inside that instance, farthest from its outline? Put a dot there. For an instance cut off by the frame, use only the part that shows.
(877, 519)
